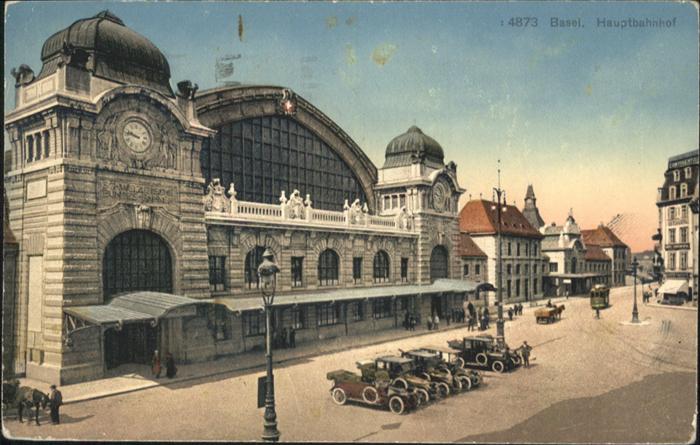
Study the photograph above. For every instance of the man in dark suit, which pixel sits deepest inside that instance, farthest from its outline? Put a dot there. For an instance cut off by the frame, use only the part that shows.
(55, 402)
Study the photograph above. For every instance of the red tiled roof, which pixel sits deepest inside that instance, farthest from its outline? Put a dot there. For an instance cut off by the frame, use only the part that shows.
(467, 247)
(477, 217)
(595, 253)
(601, 236)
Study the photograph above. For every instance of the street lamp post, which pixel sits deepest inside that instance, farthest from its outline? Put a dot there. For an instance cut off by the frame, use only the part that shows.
(267, 273)
(635, 312)
(500, 332)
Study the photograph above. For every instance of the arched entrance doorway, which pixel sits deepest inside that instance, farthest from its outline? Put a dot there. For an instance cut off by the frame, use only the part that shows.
(439, 264)
(137, 260)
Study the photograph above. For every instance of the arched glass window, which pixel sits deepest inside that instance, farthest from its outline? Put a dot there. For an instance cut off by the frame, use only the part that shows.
(438, 263)
(672, 192)
(265, 155)
(252, 261)
(684, 190)
(328, 268)
(381, 267)
(137, 260)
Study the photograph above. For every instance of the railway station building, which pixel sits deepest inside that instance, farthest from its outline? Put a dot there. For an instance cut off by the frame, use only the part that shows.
(137, 215)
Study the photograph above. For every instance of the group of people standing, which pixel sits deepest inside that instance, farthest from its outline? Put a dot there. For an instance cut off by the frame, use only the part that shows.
(287, 338)
(409, 321)
(517, 309)
(170, 368)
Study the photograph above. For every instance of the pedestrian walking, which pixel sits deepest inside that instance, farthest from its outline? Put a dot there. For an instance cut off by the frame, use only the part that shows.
(470, 309)
(525, 353)
(484, 323)
(155, 364)
(566, 294)
(480, 313)
(283, 338)
(436, 322)
(413, 322)
(406, 321)
(520, 309)
(170, 368)
(597, 313)
(55, 402)
(292, 337)
(510, 314)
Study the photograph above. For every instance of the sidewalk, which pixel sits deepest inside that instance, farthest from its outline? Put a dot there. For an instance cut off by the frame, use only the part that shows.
(138, 377)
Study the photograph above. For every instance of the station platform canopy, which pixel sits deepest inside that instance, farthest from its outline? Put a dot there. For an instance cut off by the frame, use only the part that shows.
(132, 307)
(443, 285)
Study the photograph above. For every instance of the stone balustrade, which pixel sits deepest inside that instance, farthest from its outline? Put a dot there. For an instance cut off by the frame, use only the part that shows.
(222, 206)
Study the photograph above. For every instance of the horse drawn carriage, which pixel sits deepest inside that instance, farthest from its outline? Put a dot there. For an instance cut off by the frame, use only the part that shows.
(549, 314)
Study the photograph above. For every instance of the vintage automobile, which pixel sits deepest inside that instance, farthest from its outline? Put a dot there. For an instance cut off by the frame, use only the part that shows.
(483, 352)
(402, 373)
(350, 386)
(429, 364)
(455, 364)
(549, 314)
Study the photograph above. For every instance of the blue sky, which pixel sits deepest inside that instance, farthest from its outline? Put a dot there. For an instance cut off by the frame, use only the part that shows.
(588, 115)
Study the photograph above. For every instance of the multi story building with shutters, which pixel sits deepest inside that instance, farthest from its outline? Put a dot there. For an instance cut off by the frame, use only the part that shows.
(678, 228)
(140, 214)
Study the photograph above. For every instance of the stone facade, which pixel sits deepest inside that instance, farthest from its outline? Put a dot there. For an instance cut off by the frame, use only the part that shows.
(107, 196)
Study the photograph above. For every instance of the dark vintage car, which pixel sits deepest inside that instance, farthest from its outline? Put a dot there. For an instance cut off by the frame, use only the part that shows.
(350, 386)
(428, 365)
(402, 372)
(484, 352)
(455, 364)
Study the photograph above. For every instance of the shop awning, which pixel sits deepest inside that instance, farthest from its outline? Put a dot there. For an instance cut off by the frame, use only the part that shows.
(582, 275)
(674, 287)
(439, 286)
(132, 307)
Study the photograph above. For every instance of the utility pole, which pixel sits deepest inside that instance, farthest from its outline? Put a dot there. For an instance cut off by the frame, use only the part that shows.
(500, 207)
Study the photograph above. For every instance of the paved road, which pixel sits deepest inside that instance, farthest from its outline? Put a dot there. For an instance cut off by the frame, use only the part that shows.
(578, 358)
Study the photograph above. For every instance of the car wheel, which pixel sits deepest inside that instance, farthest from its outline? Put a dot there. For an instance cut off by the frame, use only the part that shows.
(498, 366)
(400, 383)
(457, 384)
(516, 360)
(424, 375)
(396, 405)
(466, 383)
(339, 396)
(370, 395)
(475, 379)
(443, 389)
(423, 396)
(482, 359)
(460, 362)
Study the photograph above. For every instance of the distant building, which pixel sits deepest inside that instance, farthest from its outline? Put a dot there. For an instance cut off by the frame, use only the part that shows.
(678, 227)
(574, 267)
(474, 260)
(523, 263)
(530, 211)
(613, 247)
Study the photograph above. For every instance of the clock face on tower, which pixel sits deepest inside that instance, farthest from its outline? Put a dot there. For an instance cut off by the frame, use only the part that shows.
(441, 195)
(137, 136)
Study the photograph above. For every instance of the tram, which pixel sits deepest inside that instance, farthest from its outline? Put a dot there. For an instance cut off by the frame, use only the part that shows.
(600, 296)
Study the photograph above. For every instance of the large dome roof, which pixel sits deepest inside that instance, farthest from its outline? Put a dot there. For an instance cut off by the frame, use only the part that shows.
(411, 147)
(118, 53)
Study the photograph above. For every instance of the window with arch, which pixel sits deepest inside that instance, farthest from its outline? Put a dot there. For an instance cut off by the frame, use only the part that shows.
(684, 190)
(265, 155)
(137, 260)
(672, 192)
(439, 263)
(328, 265)
(676, 175)
(252, 260)
(381, 267)
(688, 172)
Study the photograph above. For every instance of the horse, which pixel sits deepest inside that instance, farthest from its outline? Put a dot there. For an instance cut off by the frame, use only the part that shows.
(560, 309)
(28, 398)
